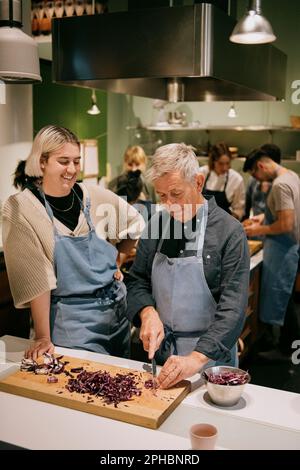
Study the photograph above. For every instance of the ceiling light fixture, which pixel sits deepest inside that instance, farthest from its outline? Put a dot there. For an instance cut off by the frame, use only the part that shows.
(253, 28)
(19, 59)
(232, 111)
(94, 110)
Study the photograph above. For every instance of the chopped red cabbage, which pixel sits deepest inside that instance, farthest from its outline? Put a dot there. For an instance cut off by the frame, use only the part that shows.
(227, 378)
(112, 389)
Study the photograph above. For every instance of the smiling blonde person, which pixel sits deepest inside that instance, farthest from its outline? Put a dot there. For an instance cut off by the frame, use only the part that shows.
(58, 264)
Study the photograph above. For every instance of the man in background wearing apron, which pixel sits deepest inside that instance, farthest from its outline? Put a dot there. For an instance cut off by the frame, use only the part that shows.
(280, 224)
(188, 286)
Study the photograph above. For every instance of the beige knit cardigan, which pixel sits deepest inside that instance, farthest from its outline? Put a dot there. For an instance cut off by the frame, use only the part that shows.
(28, 239)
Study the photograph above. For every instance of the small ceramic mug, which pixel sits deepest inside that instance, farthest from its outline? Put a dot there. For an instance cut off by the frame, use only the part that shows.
(203, 436)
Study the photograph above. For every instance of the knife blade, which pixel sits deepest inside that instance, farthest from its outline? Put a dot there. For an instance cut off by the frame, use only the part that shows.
(153, 364)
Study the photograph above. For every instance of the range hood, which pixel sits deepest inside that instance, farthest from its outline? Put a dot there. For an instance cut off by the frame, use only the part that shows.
(174, 54)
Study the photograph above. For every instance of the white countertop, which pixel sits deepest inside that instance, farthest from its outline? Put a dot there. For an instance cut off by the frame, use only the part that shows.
(263, 419)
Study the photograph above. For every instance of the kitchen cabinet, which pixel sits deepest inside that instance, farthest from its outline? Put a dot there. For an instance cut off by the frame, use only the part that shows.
(250, 331)
(12, 321)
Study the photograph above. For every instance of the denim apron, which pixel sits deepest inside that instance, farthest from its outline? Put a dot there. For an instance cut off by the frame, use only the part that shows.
(220, 196)
(183, 299)
(280, 265)
(88, 305)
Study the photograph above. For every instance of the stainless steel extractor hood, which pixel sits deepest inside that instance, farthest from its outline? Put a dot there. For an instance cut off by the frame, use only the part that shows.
(175, 54)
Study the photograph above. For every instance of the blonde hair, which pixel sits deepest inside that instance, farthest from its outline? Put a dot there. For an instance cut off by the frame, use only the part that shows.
(48, 139)
(174, 157)
(136, 155)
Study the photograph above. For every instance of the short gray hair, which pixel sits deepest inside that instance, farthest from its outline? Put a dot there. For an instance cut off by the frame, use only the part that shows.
(174, 158)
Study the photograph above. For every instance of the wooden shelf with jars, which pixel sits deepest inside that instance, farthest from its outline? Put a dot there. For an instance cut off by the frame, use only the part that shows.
(43, 11)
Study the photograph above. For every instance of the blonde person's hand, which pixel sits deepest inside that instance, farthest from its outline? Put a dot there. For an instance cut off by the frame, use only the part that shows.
(39, 347)
(177, 368)
(152, 330)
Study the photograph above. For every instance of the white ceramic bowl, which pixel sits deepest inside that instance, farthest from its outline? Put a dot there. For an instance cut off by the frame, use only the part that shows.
(224, 395)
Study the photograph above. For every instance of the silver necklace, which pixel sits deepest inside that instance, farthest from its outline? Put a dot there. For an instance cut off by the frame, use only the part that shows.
(63, 210)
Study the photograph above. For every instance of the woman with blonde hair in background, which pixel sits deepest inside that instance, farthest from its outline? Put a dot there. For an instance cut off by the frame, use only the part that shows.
(135, 159)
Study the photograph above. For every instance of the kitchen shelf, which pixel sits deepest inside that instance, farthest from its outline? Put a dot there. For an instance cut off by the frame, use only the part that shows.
(44, 43)
(43, 38)
(222, 128)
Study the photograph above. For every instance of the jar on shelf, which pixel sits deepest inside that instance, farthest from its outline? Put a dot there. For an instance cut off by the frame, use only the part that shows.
(49, 9)
(69, 7)
(101, 7)
(59, 8)
(79, 7)
(35, 19)
(89, 7)
(44, 21)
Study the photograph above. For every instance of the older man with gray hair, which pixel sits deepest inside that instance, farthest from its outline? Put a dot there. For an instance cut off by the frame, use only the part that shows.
(188, 286)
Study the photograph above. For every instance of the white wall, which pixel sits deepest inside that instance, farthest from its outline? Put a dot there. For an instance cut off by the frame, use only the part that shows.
(118, 118)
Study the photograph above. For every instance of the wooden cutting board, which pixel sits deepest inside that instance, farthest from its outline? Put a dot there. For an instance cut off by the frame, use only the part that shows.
(254, 246)
(148, 410)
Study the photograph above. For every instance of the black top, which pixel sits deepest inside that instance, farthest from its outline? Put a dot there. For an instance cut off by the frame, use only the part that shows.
(220, 196)
(174, 245)
(66, 209)
(226, 269)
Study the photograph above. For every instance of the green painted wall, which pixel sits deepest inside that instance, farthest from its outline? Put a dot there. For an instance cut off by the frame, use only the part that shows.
(66, 106)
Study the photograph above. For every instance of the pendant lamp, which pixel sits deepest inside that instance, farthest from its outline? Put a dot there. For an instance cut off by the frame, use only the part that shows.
(19, 59)
(253, 28)
(94, 110)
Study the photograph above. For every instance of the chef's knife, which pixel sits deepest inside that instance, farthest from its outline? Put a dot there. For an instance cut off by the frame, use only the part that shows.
(153, 363)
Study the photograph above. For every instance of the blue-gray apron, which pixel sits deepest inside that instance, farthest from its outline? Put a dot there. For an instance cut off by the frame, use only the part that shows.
(280, 264)
(88, 305)
(183, 299)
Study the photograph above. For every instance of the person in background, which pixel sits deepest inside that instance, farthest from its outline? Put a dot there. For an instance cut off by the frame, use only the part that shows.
(280, 225)
(188, 286)
(57, 262)
(130, 186)
(257, 191)
(135, 159)
(224, 183)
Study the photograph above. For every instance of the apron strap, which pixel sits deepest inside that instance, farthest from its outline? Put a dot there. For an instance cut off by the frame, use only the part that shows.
(170, 338)
(166, 227)
(225, 185)
(226, 181)
(199, 233)
(206, 179)
(86, 210)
